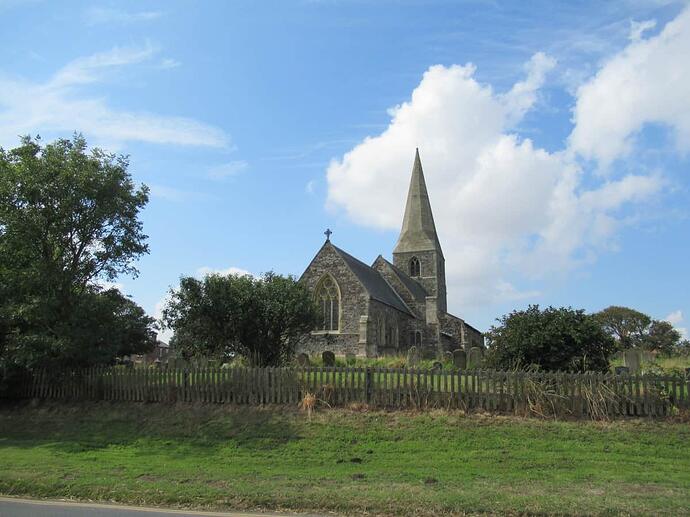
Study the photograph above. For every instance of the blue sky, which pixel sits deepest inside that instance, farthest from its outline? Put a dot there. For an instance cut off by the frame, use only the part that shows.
(554, 136)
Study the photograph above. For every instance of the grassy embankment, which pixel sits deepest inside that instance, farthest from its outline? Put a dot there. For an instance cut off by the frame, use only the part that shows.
(343, 461)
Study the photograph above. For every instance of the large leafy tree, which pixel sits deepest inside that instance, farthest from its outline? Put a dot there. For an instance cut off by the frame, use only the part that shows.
(634, 329)
(261, 319)
(552, 338)
(627, 326)
(68, 221)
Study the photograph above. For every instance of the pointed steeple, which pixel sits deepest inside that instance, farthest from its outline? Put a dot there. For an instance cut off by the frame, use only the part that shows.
(418, 231)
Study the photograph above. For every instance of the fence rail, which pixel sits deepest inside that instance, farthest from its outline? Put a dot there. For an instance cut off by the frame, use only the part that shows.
(512, 392)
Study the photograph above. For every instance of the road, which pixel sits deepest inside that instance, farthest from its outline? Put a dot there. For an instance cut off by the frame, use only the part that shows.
(11, 507)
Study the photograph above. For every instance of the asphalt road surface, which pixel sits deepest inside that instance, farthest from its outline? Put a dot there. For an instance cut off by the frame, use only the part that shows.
(10, 507)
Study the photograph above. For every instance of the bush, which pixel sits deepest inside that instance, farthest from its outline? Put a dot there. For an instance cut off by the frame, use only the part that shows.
(552, 339)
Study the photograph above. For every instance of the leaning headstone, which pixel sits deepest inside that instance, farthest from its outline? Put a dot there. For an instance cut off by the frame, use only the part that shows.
(303, 360)
(437, 366)
(631, 359)
(448, 357)
(622, 370)
(412, 357)
(350, 358)
(459, 359)
(328, 358)
(475, 358)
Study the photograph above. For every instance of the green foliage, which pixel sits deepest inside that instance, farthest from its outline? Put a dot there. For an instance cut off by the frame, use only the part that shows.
(101, 326)
(220, 316)
(634, 329)
(553, 339)
(68, 219)
(627, 326)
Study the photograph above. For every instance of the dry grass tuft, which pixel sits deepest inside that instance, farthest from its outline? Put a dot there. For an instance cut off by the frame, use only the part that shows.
(308, 404)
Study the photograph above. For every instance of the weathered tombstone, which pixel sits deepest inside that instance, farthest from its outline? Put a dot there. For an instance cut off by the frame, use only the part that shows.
(448, 357)
(303, 360)
(350, 358)
(437, 366)
(622, 370)
(631, 359)
(459, 359)
(328, 358)
(647, 356)
(412, 356)
(475, 358)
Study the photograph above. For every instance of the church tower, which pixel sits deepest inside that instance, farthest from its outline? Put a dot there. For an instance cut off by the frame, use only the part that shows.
(418, 251)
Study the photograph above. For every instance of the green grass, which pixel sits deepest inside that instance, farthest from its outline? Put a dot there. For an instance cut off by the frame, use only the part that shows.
(343, 461)
(661, 365)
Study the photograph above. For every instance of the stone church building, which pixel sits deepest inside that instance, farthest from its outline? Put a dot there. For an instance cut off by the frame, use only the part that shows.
(387, 307)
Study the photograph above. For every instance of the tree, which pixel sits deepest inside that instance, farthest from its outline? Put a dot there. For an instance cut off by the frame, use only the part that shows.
(627, 326)
(103, 325)
(661, 337)
(68, 220)
(261, 319)
(553, 339)
(634, 329)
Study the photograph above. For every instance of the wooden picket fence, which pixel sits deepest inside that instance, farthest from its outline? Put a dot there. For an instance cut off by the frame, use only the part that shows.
(547, 393)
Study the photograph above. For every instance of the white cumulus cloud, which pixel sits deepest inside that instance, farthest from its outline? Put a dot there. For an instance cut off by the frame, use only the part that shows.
(646, 83)
(506, 210)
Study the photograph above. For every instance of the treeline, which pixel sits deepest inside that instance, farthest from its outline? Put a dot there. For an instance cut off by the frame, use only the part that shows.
(70, 225)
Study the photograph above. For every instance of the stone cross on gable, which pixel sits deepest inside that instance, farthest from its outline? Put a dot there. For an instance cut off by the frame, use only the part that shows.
(328, 234)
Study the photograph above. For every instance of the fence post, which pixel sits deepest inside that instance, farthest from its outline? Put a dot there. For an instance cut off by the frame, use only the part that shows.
(368, 384)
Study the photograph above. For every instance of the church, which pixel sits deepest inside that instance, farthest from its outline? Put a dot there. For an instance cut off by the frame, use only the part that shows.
(387, 307)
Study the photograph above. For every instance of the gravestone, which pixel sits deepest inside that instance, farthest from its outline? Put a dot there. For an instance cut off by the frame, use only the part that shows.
(328, 358)
(303, 360)
(412, 357)
(459, 359)
(448, 357)
(437, 366)
(225, 366)
(475, 358)
(631, 359)
(647, 356)
(622, 370)
(350, 358)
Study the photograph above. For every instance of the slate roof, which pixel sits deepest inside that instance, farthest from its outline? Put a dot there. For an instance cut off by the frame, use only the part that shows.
(373, 282)
(412, 285)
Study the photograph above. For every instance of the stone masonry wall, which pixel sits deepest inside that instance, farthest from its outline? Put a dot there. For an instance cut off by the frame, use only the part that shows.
(354, 301)
(390, 318)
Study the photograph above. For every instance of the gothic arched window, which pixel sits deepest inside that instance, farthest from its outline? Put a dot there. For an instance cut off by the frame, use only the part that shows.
(415, 267)
(328, 300)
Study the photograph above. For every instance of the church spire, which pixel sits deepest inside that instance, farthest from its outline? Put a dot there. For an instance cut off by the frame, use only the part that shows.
(418, 231)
